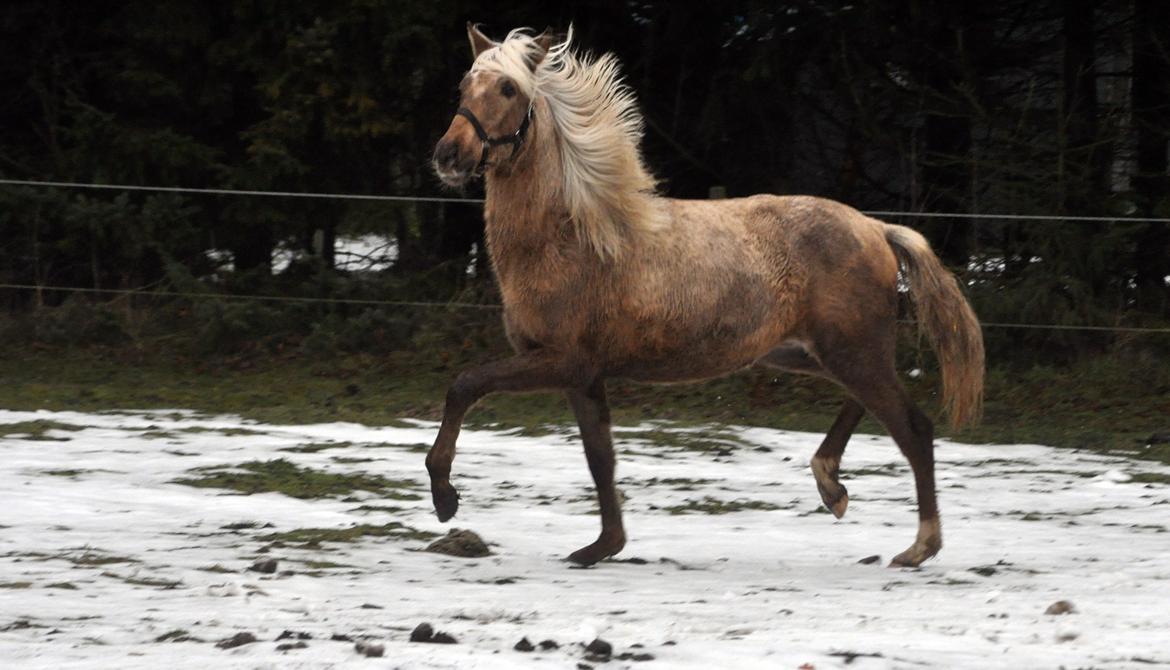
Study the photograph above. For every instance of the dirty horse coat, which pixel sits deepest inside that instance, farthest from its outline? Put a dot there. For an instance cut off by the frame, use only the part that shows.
(601, 277)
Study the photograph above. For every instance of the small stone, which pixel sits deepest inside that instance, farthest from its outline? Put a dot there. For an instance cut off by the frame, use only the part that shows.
(1060, 607)
(546, 645)
(288, 646)
(870, 560)
(237, 640)
(422, 633)
(461, 543)
(524, 645)
(584, 666)
(369, 649)
(265, 565)
(599, 648)
(372, 606)
(338, 637)
(631, 656)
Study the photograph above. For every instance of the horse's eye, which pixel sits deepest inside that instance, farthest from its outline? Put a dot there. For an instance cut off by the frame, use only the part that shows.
(507, 89)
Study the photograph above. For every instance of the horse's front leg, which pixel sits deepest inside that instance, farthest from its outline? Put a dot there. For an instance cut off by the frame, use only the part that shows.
(593, 419)
(526, 372)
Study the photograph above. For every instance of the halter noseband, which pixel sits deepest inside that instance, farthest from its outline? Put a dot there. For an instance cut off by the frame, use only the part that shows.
(515, 139)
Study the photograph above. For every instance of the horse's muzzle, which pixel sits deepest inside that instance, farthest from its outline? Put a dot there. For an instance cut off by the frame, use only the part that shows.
(452, 169)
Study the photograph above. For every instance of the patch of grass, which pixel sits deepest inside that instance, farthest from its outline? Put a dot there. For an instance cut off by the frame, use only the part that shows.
(66, 586)
(377, 509)
(219, 569)
(69, 473)
(712, 441)
(91, 557)
(324, 565)
(1150, 478)
(245, 525)
(15, 585)
(1127, 401)
(314, 447)
(165, 584)
(709, 505)
(887, 470)
(282, 476)
(678, 483)
(37, 430)
(317, 536)
(177, 635)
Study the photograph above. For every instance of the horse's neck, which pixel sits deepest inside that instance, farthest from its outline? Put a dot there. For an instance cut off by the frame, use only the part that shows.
(524, 211)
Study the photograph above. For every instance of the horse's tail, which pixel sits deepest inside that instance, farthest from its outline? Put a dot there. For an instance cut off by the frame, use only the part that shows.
(947, 320)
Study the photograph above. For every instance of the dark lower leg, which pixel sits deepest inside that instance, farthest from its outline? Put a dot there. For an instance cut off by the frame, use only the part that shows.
(592, 413)
(920, 453)
(826, 463)
(914, 434)
(872, 381)
(526, 372)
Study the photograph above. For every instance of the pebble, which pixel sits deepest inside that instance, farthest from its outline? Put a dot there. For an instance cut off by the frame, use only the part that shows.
(265, 565)
(424, 632)
(369, 649)
(237, 640)
(461, 543)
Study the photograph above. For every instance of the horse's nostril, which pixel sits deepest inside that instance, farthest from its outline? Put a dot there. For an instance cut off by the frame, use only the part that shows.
(446, 154)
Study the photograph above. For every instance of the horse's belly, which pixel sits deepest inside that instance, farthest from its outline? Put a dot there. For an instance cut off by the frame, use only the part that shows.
(663, 354)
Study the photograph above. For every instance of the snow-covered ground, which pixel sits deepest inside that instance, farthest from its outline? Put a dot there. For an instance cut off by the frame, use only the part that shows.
(102, 554)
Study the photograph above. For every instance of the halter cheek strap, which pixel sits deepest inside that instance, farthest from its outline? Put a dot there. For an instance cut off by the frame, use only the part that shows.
(515, 139)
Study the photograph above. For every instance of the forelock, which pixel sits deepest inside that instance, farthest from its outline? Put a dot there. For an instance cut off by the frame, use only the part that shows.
(513, 59)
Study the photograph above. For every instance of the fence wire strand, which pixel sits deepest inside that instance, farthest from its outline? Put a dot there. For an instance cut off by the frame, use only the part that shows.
(452, 199)
(483, 306)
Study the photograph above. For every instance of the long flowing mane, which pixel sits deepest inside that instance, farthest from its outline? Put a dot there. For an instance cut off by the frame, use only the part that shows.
(609, 192)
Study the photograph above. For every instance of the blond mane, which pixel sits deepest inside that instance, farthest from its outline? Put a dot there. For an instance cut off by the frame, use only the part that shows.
(609, 192)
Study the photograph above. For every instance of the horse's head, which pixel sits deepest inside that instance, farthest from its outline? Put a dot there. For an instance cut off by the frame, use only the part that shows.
(495, 107)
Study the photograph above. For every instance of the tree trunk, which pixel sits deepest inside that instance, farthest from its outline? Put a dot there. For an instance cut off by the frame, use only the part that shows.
(1151, 115)
(946, 131)
(1085, 160)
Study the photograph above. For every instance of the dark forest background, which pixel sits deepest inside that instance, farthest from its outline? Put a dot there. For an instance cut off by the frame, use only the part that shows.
(1048, 107)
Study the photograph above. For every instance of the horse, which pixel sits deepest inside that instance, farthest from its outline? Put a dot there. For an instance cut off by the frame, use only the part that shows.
(602, 277)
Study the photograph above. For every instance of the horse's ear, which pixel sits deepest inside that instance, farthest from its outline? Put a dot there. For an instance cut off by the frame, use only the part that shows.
(479, 42)
(545, 41)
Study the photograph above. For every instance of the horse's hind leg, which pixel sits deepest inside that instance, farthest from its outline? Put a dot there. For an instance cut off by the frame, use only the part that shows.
(826, 463)
(593, 419)
(866, 370)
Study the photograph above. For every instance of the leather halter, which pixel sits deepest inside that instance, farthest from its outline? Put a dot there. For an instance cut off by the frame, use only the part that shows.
(515, 139)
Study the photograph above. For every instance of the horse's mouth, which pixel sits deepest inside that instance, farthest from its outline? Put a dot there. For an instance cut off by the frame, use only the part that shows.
(453, 178)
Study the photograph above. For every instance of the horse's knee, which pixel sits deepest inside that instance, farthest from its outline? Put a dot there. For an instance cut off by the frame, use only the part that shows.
(465, 390)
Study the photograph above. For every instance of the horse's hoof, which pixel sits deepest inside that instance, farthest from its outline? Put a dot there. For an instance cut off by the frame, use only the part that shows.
(836, 501)
(446, 500)
(914, 556)
(600, 550)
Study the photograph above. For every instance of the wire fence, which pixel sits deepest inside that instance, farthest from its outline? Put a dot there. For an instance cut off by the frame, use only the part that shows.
(484, 306)
(481, 306)
(983, 216)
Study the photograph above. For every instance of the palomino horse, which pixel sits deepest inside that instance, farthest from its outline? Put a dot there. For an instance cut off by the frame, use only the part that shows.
(601, 277)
